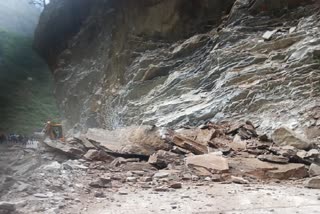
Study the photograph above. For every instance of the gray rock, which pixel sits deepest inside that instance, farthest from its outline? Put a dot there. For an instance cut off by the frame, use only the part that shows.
(101, 183)
(162, 158)
(268, 34)
(186, 177)
(176, 185)
(71, 150)
(161, 189)
(207, 179)
(95, 155)
(239, 180)
(313, 153)
(314, 170)
(131, 179)
(216, 178)
(313, 183)
(138, 172)
(7, 206)
(122, 192)
(43, 195)
(273, 159)
(194, 178)
(161, 175)
(99, 195)
(146, 179)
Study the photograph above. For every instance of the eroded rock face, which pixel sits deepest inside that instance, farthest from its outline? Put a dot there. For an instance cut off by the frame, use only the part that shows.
(177, 62)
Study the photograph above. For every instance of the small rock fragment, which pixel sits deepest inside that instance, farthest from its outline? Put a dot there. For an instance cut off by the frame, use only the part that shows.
(146, 179)
(131, 179)
(101, 183)
(239, 180)
(99, 195)
(161, 175)
(216, 178)
(268, 34)
(176, 185)
(207, 179)
(313, 153)
(161, 189)
(40, 195)
(122, 192)
(194, 178)
(273, 159)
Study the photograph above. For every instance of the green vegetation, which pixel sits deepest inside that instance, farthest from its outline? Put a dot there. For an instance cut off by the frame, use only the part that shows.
(26, 98)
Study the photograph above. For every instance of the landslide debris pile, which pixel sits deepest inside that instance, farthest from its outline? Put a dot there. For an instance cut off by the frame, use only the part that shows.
(225, 150)
(101, 161)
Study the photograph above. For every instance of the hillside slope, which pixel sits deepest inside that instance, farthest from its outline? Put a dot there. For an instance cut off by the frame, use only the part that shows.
(26, 97)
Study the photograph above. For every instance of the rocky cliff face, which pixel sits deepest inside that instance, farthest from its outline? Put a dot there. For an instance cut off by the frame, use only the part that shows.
(175, 62)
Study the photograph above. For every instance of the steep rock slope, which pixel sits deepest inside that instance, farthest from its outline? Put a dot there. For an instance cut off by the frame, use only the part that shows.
(174, 63)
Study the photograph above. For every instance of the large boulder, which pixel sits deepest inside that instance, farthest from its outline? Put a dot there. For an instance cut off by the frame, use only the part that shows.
(285, 137)
(142, 140)
(71, 150)
(250, 166)
(314, 170)
(210, 162)
(288, 171)
(313, 183)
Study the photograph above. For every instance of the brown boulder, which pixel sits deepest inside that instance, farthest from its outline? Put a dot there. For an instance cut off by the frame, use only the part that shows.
(250, 166)
(285, 137)
(288, 171)
(190, 145)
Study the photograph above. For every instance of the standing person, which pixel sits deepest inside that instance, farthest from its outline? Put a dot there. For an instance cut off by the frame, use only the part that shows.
(2, 138)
